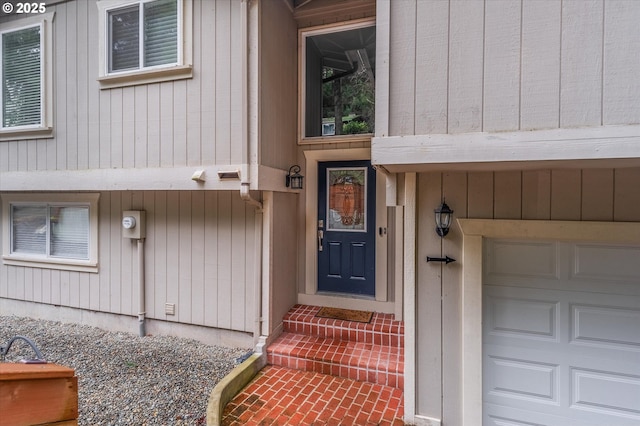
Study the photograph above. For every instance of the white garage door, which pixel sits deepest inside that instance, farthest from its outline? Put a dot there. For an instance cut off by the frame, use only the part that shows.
(561, 334)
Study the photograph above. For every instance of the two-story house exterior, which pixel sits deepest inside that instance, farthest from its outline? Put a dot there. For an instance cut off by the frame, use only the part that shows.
(522, 115)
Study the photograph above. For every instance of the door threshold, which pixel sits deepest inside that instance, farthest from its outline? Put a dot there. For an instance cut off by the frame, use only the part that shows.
(346, 295)
(346, 301)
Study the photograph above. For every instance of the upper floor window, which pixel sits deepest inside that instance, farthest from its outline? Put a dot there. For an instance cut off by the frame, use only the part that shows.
(56, 231)
(144, 41)
(143, 35)
(338, 75)
(26, 78)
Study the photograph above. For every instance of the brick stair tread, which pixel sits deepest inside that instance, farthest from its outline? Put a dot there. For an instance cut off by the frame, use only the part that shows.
(382, 330)
(339, 352)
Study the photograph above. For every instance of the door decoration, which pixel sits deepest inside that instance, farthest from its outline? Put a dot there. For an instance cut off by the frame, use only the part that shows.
(347, 199)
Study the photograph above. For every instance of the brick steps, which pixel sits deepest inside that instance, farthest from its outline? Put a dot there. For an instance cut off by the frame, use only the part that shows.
(372, 352)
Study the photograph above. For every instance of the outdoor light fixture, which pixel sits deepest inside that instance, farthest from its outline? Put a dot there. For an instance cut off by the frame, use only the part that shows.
(294, 178)
(443, 219)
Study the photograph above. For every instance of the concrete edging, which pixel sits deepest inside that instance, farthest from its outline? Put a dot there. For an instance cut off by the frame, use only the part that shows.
(231, 385)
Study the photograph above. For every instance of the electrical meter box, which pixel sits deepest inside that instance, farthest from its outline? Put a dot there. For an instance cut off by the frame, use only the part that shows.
(133, 224)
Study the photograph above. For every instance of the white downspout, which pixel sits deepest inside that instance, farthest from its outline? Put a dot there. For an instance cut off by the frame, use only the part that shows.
(245, 177)
(141, 284)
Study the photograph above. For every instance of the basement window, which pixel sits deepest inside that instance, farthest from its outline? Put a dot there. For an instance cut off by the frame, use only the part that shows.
(55, 231)
(338, 76)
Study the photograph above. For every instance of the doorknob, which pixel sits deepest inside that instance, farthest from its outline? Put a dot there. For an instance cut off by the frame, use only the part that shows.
(320, 238)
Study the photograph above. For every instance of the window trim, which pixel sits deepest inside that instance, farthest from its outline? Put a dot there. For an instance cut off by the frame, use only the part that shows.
(45, 128)
(303, 33)
(182, 70)
(35, 261)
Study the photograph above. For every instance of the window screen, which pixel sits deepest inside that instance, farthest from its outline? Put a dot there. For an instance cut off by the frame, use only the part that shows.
(160, 33)
(124, 39)
(147, 33)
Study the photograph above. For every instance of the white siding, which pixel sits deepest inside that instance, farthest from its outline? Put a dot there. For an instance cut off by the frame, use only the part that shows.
(199, 254)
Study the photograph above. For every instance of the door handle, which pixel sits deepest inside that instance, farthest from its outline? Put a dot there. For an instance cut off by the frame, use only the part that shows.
(320, 238)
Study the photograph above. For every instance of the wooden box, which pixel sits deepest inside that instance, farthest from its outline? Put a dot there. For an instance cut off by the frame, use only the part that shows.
(36, 394)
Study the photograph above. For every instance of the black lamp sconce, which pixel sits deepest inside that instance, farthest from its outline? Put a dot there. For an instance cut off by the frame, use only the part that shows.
(294, 178)
(444, 214)
(443, 219)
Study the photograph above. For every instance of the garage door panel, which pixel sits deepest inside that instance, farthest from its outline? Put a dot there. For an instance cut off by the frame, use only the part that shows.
(522, 379)
(563, 352)
(519, 417)
(520, 259)
(606, 393)
(613, 327)
(527, 318)
(502, 421)
(601, 262)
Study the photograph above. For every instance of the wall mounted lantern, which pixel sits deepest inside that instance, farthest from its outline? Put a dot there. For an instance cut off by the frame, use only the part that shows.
(294, 178)
(443, 219)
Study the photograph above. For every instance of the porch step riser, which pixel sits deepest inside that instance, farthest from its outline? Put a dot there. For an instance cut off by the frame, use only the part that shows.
(371, 352)
(363, 374)
(383, 329)
(355, 332)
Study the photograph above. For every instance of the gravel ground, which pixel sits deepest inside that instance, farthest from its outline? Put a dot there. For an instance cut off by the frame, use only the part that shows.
(124, 379)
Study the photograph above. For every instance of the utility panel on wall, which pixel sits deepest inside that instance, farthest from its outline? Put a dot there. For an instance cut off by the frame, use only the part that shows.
(133, 224)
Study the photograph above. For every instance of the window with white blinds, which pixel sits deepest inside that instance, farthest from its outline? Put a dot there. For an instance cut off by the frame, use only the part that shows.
(143, 35)
(22, 77)
(50, 230)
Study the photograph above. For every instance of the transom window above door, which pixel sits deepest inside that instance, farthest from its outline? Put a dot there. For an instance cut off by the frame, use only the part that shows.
(337, 72)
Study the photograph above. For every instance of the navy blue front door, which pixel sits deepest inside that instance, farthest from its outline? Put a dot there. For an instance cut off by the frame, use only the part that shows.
(346, 227)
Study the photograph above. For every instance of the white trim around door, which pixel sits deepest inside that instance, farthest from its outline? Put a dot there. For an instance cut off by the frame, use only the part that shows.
(310, 294)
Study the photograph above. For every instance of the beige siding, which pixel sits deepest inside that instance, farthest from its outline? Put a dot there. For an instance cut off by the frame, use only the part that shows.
(468, 66)
(590, 194)
(278, 85)
(181, 123)
(284, 251)
(199, 254)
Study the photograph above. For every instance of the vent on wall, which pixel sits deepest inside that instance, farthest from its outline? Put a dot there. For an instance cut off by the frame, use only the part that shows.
(170, 308)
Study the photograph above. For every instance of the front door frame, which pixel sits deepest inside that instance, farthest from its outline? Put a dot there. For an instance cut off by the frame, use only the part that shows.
(310, 295)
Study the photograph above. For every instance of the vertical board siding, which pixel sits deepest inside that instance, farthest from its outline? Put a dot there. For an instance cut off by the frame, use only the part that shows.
(501, 90)
(621, 89)
(540, 86)
(542, 195)
(581, 77)
(429, 312)
(536, 198)
(223, 77)
(277, 89)
(466, 38)
(199, 255)
(402, 59)
(454, 185)
(188, 122)
(466, 66)
(432, 66)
